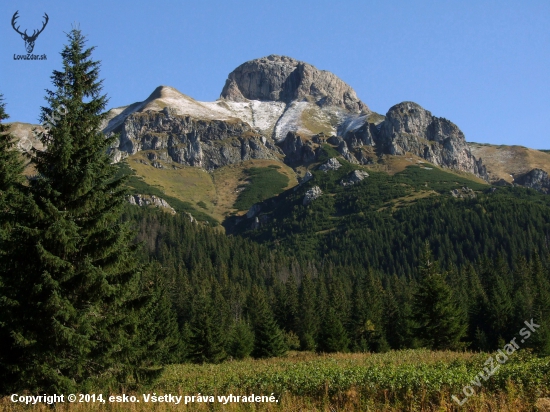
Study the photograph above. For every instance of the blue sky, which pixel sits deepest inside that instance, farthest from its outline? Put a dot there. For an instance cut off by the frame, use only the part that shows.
(485, 65)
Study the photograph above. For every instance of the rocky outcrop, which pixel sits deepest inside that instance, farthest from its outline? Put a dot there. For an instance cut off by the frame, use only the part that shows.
(311, 195)
(280, 108)
(364, 135)
(465, 192)
(26, 136)
(208, 144)
(331, 164)
(410, 128)
(297, 150)
(307, 177)
(253, 211)
(535, 179)
(355, 177)
(146, 200)
(281, 78)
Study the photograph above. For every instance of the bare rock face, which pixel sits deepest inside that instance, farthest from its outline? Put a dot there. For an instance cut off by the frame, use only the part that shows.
(355, 177)
(307, 177)
(331, 164)
(208, 144)
(410, 128)
(465, 192)
(26, 138)
(281, 78)
(536, 179)
(296, 150)
(312, 194)
(146, 200)
(253, 211)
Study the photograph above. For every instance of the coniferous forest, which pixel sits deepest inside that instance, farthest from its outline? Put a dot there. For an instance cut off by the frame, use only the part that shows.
(95, 292)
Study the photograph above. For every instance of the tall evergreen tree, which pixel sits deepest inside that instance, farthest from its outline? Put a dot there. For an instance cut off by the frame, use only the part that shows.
(540, 341)
(11, 168)
(241, 340)
(268, 338)
(73, 282)
(440, 322)
(207, 340)
(159, 335)
(398, 320)
(308, 314)
(11, 165)
(10, 202)
(333, 336)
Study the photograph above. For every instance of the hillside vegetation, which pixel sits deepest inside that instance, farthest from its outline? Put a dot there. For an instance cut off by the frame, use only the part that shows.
(506, 162)
(395, 381)
(262, 183)
(226, 190)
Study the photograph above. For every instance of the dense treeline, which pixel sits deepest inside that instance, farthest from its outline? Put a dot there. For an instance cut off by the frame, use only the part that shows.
(242, 288)
(383, 221)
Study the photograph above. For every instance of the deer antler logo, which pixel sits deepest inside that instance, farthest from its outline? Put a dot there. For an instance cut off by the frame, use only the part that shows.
(29, 40)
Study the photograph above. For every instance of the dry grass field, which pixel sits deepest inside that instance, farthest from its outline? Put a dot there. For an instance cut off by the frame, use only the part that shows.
(503, 161)
(217, 191)
(412, 380)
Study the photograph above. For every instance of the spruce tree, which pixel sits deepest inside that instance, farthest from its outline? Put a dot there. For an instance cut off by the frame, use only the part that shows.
(440, 322)
(206, 340)
(308, 315)
(241, 340)
(11, 178)
(540, 341)
(268, 338)
(11, 168)
(333, 337)
(159, 336)
(11, 165)
(73, 280)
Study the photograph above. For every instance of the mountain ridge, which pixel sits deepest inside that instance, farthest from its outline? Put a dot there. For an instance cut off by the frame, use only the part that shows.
(277, 110)
(295, 107)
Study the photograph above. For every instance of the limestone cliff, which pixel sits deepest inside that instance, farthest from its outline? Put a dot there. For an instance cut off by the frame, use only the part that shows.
(407, 127)
(410, 128)
(208, 144)
(281, 78)
(535, 179)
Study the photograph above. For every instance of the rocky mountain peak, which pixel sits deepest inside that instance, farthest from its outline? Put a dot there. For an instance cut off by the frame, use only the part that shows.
(408, 127)
(284, 79)
(165, 92)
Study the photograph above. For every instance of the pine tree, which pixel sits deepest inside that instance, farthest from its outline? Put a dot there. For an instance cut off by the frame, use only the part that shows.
(398, 320)
(11, 178)
(268, 338)
(11, 168)
(287, 304)
(367, 315)
(440, 322)
(73, 281)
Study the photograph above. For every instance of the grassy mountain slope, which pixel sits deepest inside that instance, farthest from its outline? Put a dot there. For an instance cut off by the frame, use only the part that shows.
(216, 193)
(384, 220)
(506, 162)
